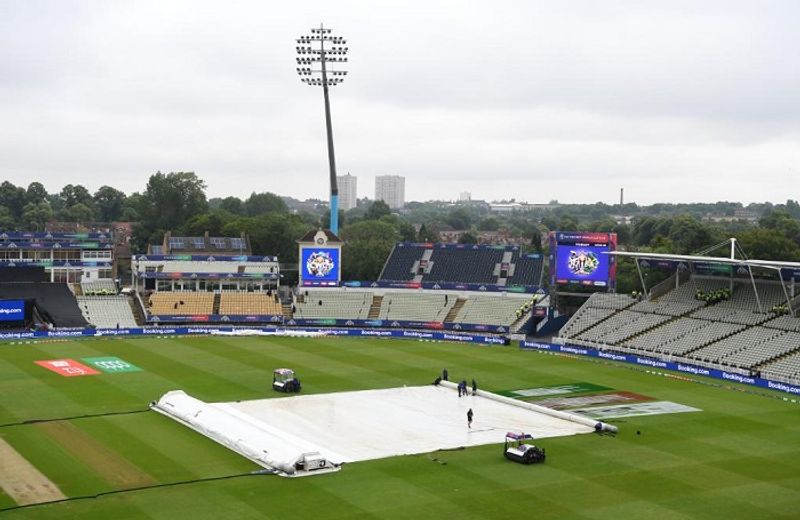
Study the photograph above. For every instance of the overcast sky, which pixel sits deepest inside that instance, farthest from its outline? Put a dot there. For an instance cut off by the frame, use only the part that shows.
(675, 101)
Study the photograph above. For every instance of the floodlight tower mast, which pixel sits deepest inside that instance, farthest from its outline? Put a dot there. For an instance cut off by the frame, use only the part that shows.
(328, 52)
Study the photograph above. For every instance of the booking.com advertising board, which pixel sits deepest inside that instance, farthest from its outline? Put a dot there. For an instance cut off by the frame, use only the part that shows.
(581, 258)
(331, 331)
(12, 310)
(320, 266)
(661, 364)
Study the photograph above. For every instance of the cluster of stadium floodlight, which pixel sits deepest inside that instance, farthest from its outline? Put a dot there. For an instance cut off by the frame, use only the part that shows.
(312, 50)
(309, 56)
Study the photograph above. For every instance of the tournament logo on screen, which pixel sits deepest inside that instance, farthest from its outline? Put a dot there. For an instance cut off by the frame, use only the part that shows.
(319, 264)
(582, 263)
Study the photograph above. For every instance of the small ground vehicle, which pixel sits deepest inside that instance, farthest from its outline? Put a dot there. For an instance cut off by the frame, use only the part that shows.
(283, 380)
(517, 449)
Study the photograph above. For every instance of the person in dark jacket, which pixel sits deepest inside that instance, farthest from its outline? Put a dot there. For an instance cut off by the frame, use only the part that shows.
(444, 375)
(469, 418)
(474, 387)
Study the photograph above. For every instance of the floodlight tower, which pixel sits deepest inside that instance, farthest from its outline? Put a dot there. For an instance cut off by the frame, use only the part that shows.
(316, 53)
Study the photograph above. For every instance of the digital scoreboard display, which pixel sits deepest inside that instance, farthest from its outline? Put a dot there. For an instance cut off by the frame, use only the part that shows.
(582, 258)
(320, 266)
(12, 310)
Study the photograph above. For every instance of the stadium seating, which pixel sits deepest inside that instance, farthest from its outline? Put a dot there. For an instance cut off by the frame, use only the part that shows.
(490, 310)
(334, 304)
(528, 270)
(95, 287)
(107, 311)
(730, 333)
(181, 303)
(464, 265)
(415, 306)
(751, 337)
(248, 303)
(784, 323)
(786, 368)
(597, 308)
(448, 263)
(753, 355)
(622, 326)
(401, 261)
(682, 335)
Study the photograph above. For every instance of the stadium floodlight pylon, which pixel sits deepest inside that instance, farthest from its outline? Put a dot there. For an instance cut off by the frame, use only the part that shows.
(320, 57)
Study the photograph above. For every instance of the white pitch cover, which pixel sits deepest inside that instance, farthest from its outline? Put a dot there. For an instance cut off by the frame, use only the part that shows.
(361, 425)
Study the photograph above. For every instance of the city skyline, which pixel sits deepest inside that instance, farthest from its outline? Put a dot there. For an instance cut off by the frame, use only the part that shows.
(677, 102)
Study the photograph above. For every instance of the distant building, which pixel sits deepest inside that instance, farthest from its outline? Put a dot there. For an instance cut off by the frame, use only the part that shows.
(348, 191)
(391, 189)
(464, 196)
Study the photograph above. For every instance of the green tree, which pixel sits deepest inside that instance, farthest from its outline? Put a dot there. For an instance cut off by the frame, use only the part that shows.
(77, 213)
(75, 194)
(488, 224)
(13, 198)
(7, 220)
(260, 203)
(133, 208)
(690, 235)
(213, 222)
(536, 240)
(459, 218)
(468, 238)
(377, 210)
(768, 244)
(109, 203)
(367, 245)
(36, 193)
(172, 199)
(233, 205)
(35, 216)
(427, 235)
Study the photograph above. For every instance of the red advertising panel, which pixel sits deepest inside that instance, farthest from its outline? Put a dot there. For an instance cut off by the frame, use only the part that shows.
(67, 367)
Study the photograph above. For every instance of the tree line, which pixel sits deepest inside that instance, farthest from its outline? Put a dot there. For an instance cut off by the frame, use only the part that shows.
(178, 202)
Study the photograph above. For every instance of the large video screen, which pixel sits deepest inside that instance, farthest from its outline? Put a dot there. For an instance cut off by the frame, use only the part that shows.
(582, 264)
(12, 310)
(320, 264)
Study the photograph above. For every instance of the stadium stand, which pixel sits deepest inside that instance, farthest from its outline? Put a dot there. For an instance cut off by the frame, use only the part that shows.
(54, 301)
(246, 303)
(789, 323)
(98, 287)
(465, 264)
(490, 310)
(401, 262)
(528, 270)
(172, 245)
(752, 355)
(181, 302)
(333, 304)
(726, 331)
(786, 368)
(415, 306)
(107, 311)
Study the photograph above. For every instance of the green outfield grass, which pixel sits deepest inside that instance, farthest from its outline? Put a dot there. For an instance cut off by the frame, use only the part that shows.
(738, 458)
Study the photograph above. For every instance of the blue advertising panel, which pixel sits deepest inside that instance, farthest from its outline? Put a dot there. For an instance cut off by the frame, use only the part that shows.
(580, 264)
(12, 310)
(320, 264)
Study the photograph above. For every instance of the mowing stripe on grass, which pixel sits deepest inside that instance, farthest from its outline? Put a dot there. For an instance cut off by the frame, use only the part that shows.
(115, 469)
(22, 481)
